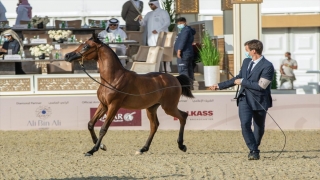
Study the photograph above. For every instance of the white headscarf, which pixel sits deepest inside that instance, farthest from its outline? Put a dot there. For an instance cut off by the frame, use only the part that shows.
(156, 3)
(112, 21)
(14, 35)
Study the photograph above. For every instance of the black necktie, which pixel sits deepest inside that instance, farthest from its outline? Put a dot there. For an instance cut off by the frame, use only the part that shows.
(250, 67)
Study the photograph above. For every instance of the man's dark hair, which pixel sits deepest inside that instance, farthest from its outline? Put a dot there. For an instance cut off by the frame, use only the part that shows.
(255, 45)
(181, 19)
(288, 53)
(246, 43)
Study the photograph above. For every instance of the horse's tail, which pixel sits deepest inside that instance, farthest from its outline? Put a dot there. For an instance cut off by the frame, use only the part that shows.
(185, 85)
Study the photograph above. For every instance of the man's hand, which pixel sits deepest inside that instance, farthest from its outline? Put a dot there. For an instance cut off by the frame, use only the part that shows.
(154, 32)
(237, 81)
(179, 54)
(3, 50)
(214, 87)
(140, 18)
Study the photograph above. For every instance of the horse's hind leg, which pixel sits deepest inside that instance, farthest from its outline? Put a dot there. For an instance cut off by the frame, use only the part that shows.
(112, 111)
(182, 116)
(154, 124)
(102, 109)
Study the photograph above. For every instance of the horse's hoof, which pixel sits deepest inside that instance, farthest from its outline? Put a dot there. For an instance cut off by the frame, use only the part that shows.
(139, 153)
(183, 148)
(103, 147)
(88, 154)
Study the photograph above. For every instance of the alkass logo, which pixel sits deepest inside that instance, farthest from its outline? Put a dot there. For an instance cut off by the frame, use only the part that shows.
(199, 115)
(124, 117)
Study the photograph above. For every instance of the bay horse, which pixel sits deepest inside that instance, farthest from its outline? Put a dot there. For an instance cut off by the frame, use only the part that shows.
(121, 88)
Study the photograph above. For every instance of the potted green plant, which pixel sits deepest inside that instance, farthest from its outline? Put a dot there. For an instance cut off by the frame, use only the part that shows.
(274, 83)
(168, 5)
(209, 55)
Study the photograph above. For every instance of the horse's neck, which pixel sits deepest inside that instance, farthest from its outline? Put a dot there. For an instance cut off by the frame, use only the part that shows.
(109, 65)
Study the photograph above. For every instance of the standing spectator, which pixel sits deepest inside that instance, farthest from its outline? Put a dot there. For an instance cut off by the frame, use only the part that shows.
(286, 69)
(184, 49)
(24, 11)
(131, 10)
(2, 12)
(156, 21)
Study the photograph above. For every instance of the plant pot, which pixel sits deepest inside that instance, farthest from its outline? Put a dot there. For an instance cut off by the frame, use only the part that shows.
(42, 56)
(211, 75)
(40, 25)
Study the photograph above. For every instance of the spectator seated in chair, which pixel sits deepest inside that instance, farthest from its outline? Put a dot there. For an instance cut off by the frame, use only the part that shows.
(112, 31)
(12, 42)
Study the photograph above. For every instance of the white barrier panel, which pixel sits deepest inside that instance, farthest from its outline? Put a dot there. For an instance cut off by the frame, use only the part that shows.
(206, 112)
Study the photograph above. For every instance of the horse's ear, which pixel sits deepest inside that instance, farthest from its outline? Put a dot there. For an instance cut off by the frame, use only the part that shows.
(94, 36)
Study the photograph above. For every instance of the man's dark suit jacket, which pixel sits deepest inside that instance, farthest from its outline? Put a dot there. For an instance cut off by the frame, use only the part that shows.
(129, 12)
(250, 84)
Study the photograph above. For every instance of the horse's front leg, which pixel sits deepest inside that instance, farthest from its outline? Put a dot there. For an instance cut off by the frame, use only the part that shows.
(182, 119)
(100, 112)
(104, 128)
(154, 124)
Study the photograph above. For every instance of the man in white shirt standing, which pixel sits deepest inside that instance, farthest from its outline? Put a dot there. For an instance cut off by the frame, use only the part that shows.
(156, 21)
(286, 69)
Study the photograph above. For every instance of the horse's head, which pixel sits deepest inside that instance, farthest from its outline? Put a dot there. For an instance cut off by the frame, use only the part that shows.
(86, 51)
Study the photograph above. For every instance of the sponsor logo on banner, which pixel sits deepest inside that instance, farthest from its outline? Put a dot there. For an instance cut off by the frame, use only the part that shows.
(199, 115)
(124, 117)
(43, 112)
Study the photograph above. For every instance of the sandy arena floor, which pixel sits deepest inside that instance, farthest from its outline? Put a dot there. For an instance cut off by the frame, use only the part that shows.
(211, 155)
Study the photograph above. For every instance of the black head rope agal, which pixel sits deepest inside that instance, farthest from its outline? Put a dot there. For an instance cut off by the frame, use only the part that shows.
(114, 89)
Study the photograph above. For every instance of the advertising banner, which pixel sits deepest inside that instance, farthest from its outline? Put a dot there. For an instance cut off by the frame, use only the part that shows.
(206, 112)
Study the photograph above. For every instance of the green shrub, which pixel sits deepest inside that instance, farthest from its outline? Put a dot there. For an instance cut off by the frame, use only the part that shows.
(209, 55)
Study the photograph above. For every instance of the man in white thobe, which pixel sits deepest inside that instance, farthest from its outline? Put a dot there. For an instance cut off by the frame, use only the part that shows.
(156, 21)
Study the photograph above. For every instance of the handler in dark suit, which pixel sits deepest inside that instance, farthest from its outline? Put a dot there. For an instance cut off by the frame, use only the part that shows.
(254, 98)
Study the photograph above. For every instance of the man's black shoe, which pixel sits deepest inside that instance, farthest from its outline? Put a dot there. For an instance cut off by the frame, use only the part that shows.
(254, 155)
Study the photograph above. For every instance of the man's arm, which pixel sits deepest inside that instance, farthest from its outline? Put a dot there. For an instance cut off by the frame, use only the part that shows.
(144, 21)
(281, 69)
(295, 65)
(125, 9)
(226, 84)
(183, 36)
(264, 81)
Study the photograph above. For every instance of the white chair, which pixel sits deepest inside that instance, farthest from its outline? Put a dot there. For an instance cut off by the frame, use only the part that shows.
(152, 63)
(165, 40)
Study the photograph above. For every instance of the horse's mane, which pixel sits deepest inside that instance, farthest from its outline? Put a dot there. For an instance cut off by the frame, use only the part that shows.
(98, 41)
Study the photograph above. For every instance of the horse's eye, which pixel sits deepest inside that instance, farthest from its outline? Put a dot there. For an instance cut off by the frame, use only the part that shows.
(85, 46)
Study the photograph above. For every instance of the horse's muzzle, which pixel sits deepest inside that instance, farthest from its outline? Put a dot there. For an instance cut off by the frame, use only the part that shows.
(72, 56)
